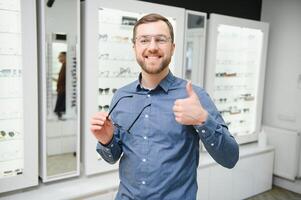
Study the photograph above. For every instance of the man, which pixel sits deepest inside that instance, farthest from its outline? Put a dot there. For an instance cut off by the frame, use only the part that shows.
(60, 106)
(156, 123)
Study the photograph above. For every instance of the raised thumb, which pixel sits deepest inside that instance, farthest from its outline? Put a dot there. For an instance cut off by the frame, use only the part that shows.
(189, 89)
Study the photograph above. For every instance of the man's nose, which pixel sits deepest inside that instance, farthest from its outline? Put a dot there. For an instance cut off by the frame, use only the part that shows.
(153, 44)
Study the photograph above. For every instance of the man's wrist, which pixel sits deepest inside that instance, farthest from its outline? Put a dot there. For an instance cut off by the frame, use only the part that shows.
(202, 119)
(106, 143)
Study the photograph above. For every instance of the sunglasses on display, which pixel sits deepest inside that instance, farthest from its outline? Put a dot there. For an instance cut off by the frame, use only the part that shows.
(105, 91)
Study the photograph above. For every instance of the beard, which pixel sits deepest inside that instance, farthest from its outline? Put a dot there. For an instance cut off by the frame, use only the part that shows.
(152, 68)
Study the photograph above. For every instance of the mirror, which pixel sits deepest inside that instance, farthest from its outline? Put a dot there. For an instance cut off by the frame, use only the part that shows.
(62, 89)
(195, 46)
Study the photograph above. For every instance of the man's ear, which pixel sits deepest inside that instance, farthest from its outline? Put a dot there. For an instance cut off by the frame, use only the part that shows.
(173, 48)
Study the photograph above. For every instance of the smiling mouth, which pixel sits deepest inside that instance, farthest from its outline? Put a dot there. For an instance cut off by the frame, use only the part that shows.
(153, 57)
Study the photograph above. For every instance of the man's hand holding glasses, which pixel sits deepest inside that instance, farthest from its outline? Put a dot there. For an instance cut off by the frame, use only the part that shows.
(102, 127)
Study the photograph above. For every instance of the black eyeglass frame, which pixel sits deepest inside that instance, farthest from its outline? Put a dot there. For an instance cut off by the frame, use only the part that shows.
(132, 124)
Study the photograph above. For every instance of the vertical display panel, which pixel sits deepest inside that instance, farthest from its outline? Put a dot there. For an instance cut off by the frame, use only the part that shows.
(18, 139)
(11, 98)
(235, 73)
(195, 39)
(111, 62)
(237, 68)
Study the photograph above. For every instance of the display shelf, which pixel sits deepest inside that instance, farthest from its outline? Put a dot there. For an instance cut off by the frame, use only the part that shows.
(235, 72)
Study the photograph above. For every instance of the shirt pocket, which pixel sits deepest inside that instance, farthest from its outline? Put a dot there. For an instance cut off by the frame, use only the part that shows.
(123, 120)
(169, 129)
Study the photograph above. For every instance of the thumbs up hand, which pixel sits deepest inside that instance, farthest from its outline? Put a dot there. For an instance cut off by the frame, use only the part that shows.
(189, 111)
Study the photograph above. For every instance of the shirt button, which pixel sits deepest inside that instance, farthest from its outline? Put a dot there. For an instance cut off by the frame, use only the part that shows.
(146, 116)
(110, 156)
(143, 182)
(212, 144)
(112, 145)
(144, 160)
(203, 131)
(197, 130)
(145, 137)
(148, 95)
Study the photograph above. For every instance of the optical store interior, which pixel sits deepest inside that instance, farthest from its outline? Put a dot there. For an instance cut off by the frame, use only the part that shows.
(61, 61)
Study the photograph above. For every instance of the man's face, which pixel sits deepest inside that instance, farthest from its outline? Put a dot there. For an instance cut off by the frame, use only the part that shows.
(153, 47)
(62, 58)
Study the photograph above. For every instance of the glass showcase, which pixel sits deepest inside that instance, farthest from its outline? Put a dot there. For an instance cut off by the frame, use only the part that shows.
(11, 92)
(235, 70)
(237, 66)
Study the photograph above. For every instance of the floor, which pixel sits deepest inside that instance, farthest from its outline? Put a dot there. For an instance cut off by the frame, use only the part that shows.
(59, 164)
(277, 193)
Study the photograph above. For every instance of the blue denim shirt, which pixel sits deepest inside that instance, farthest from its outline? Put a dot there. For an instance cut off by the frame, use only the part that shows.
(159, 157)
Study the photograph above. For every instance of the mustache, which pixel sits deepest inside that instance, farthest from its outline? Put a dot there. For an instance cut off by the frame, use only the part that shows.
(155, 52)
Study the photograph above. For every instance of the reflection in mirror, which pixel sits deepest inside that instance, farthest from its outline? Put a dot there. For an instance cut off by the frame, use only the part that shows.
(195, 47)
(59, 77)
(62, 119)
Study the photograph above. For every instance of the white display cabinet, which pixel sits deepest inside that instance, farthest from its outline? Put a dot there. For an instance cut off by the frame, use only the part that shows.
(194, 53)
(18, 95)
(235, 71)
(252, 175)
(109, 60)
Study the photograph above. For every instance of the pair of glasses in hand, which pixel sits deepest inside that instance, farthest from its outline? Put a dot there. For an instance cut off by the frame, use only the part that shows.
(134, 121)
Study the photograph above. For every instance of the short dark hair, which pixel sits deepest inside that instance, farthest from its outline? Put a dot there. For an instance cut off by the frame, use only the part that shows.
(63, 53)
(153, 17)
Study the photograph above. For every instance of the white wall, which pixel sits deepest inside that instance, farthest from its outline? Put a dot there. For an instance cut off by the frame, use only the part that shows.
(283, 76)
(61, 18)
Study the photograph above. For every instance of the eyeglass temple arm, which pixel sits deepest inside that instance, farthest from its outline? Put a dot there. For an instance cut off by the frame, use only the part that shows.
(128, 130)
(128, 96)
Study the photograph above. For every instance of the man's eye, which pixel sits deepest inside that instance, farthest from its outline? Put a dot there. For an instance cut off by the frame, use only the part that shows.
(143, 41)
(161, 40)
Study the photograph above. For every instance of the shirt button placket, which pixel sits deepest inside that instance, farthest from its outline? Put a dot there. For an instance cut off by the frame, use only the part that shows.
(146, 115)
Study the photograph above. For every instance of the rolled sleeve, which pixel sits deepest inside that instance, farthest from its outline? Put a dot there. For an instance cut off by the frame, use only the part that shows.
(110, 152)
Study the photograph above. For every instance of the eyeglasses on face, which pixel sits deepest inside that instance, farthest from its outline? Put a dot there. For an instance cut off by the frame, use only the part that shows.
(145, 40)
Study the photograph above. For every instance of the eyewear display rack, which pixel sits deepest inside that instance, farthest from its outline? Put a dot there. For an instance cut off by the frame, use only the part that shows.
(18, 95)
(235, 72)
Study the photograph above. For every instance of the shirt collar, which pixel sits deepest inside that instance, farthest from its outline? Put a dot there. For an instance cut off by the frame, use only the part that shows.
(165, 84)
